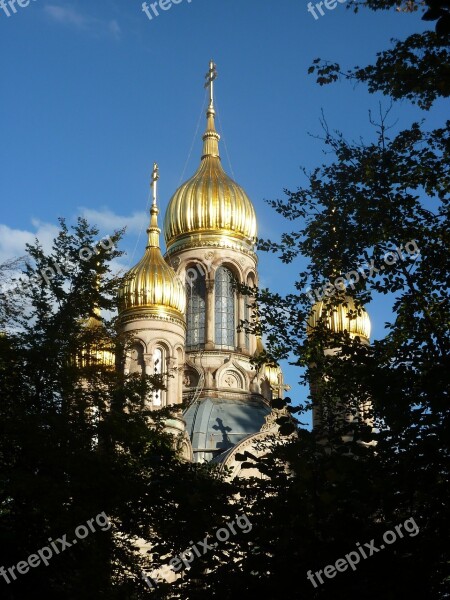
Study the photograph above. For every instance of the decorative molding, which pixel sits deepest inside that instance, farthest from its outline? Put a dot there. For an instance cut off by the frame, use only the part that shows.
(174, 262)
(245, 374)
(271, 419)
(143, 315)
(209, 244)
(231, 379)
(270, 428)
(191, 378)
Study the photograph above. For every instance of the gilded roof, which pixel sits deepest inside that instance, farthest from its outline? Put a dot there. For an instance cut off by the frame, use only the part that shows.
(210, 205)
(152, 284)
(338, 319)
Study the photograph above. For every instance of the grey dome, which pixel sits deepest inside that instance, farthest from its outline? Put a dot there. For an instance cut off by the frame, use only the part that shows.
(215, 425)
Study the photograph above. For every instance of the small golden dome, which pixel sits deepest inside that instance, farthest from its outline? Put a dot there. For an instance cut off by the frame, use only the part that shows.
(272, 374)
(269, 371)
(152, 284)
(338, 319)
(101, 351)
(209, 207)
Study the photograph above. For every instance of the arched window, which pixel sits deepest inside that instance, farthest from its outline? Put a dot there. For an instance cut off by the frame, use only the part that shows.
(224, 308)
(247, 319)
(158, 360)
(136, 359)
(247, 302)
(195, 307)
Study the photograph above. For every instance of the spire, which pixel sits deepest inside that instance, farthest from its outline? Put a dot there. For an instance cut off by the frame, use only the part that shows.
(211, 137)
(154, 231)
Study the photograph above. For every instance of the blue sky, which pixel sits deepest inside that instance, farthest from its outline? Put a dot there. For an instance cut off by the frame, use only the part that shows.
(93, 92)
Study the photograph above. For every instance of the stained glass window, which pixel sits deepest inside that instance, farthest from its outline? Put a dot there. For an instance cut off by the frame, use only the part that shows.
(157, 370)
(247, 301)
(224, 309)
(195, 308)
(136, 363)
(247, 318)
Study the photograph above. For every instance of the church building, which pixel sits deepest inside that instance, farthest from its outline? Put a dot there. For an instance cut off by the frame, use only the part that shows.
(182, 311)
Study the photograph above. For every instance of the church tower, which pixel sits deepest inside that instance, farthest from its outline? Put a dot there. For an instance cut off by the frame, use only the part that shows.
(152, 304)
(210, 231)
(344, 317)
(183, 311)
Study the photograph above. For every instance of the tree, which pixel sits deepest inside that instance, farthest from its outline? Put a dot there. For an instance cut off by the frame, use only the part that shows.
(10, 298)
(374, 221)
(417, 68)
(76, 445)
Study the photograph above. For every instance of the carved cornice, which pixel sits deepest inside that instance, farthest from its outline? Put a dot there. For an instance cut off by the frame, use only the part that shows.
(270, 428)
(233, 354)
(207, 244)
(224, 394)
(149, 315)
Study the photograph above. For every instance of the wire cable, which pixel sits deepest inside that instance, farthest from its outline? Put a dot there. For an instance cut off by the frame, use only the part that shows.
(147, 209)
(193, 140)
(224, 141)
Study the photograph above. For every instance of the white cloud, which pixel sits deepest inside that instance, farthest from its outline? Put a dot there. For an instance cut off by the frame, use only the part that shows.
(114, 28)
(70, 16)
(13, 241)
(108, 221)
(66, 16)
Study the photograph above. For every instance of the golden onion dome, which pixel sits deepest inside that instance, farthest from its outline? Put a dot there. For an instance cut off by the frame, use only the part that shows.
(269, 371)
(210, 207)
(272, 374)
(99, 352)
(152, 284)
(338, 319)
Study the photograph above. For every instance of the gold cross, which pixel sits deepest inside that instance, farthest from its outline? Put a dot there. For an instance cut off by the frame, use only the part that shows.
(155, 177)
(210, 76)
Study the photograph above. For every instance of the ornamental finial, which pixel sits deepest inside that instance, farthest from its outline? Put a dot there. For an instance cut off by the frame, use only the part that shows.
(210, 76)
(155, 177)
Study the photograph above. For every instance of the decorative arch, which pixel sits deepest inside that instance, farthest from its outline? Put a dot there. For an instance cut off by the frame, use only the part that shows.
(158, 367)
(232, 266)
(162, 344)
(250, 282)
(233, 368)
(250, 271)
(179, 357)
(243, 373)
(191, 375)
(184, 447)
(135, 361)
(231, 379)
(252, 443)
